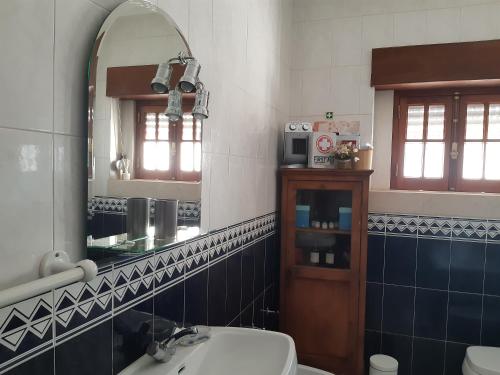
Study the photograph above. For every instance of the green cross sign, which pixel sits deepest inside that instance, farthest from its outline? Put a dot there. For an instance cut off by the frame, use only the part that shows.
(329, 115)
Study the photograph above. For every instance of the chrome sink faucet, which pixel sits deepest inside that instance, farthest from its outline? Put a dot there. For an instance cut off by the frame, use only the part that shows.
(163, 351)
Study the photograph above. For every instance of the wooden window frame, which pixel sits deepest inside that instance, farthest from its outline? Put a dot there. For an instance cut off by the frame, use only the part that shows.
(175, 138)
(456, 100)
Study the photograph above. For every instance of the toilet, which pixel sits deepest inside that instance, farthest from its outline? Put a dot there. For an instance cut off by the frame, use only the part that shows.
(481, 360)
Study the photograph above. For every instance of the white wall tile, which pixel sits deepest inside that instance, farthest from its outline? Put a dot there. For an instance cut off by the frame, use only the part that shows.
(179, 12)
(316, 91)
(27, 29)
(346, 39)
(479, 22)
(69, 196)
(240, 151)
(345, 87)
(409, 28)
(73, 44)
(378, 31)
(443, 25)
(26, 204)
(313, 45)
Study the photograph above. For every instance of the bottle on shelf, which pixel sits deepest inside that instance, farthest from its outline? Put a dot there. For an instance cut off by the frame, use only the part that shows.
(314, 257)
(330, 257)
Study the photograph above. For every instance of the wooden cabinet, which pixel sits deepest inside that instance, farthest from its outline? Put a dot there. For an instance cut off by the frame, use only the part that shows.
(323, 270)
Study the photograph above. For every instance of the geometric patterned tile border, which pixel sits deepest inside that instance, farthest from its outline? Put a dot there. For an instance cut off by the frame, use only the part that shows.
(27, 327)
(460, 229)
(187, 210)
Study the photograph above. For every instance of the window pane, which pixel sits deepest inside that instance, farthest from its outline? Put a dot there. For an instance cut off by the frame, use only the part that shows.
(473, 161)
(474, 121)
(197, 156)
(198, 130)
(415, 127)
(434, 160)
(151, 126)
(494, 122)
(435, 124)
(162, 156)
(163, 127)
(149, 156)
(492, 168)
(187, 127)
(187, 161)
(156, 156)
(413, 159)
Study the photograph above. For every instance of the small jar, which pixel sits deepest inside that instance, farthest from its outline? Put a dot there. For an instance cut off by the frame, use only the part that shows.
(314, 257)
(330, 258)
(324, 225)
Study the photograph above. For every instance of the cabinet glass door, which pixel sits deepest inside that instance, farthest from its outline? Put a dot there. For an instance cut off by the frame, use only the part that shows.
(323, 227)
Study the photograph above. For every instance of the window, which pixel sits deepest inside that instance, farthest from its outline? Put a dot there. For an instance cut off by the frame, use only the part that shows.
(167, 150)
(446, 140)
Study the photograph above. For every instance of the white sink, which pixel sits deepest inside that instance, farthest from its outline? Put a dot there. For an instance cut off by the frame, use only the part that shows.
(229, 351)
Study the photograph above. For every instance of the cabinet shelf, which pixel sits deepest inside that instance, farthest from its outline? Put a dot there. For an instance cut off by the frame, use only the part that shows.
(324, 231)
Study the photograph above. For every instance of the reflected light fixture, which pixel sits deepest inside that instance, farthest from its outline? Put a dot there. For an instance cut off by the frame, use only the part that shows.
(187, 83)
(161, 81)
(200, 109)
(174, 108)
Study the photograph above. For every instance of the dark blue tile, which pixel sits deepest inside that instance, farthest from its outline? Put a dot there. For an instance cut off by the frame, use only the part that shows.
(464, 318)
(374, 306)
(375, 266)
(271, 305)
(491, 321)
(133, 331)
(399, 347)
(433, 263)
(247, 316)
(372, 346)
(455, 354)
(430, 313)
(428, 357)
(272, 268)
(260, 264)
(41, 364)
(247, 276)
(398, 309)
(196, 304)
(217, 294)
(492, 276)
(233, 306)
(89, 353)
(400, 260)
(169, 304)
(258, 313)
(467, 266)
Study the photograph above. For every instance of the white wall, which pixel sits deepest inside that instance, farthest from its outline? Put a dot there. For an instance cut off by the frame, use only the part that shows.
(45, 46)
(333, 39)
(332, 42)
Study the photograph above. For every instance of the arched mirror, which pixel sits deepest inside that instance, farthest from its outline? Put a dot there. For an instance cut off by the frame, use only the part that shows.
(145, 111)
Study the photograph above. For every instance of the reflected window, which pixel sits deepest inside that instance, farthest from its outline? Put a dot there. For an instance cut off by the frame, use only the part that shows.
(167, 150)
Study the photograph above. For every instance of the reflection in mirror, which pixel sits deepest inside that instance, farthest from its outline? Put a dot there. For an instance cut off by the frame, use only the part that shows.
(144, 160)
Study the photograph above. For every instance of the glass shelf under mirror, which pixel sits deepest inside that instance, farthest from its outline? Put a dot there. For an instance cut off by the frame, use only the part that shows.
(323, 228)
(115, 248)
